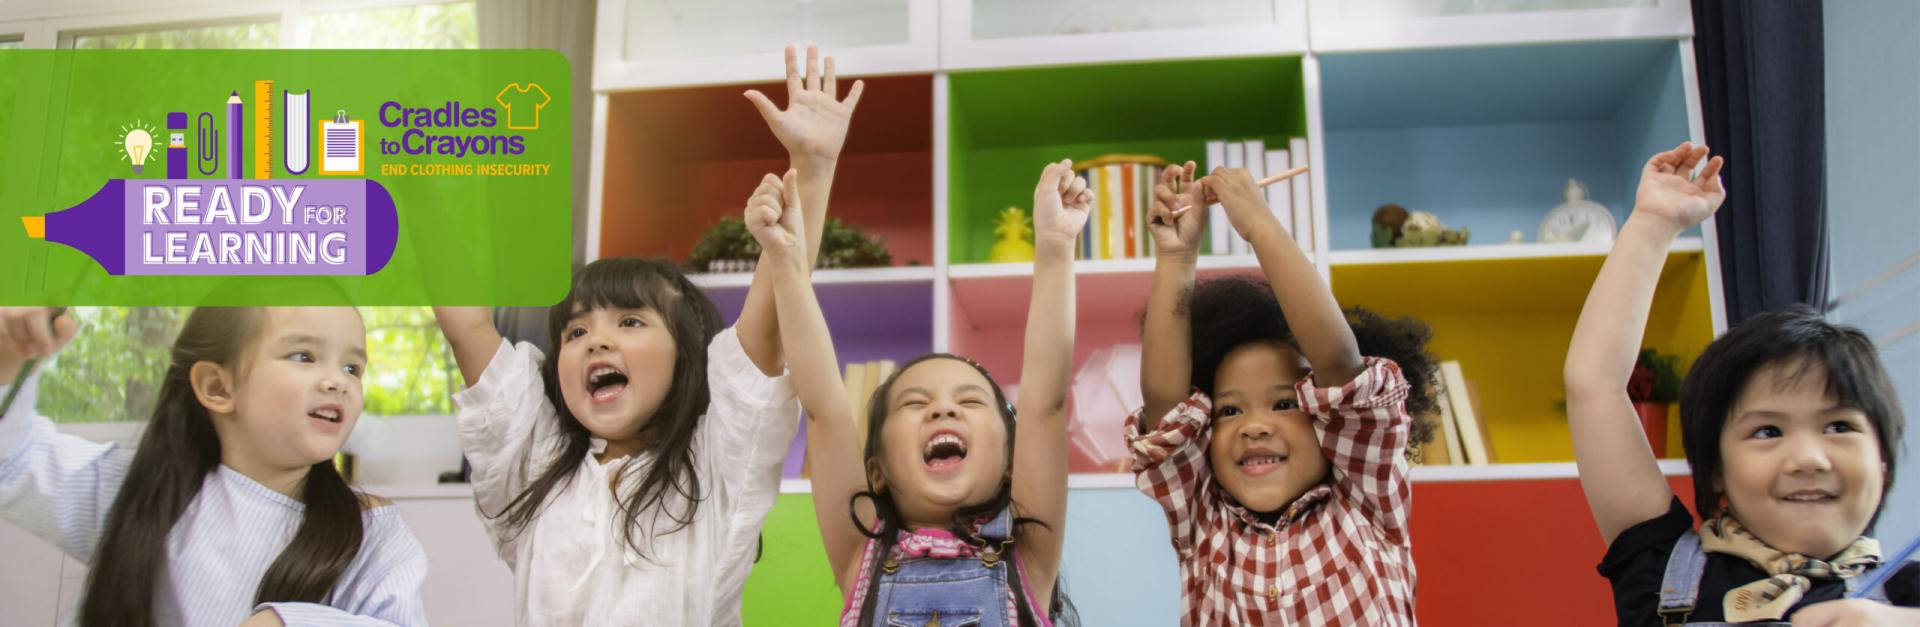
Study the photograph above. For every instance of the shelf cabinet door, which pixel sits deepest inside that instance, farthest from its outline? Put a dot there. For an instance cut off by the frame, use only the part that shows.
(663, 43)
(1354, 25)
(1008, 33)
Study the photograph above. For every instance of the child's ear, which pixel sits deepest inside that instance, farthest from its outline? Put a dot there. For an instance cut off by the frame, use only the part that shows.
(876, 478)
(213, 385)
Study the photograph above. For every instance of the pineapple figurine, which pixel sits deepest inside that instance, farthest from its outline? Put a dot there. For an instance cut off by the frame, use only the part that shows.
(1016, 237)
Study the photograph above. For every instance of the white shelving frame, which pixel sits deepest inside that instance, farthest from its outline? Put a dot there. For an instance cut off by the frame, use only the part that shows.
(612, 71)
(957, 52)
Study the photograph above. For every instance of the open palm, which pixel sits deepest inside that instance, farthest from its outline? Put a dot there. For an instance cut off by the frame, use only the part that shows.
(1670, 192)
(815, 121)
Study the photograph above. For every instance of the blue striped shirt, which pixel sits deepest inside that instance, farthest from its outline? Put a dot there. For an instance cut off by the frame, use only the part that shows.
(60, 487)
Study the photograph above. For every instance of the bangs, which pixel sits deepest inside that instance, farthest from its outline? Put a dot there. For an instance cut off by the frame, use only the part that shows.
(619, 283)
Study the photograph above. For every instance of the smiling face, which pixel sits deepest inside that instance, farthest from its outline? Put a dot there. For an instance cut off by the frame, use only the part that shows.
(1801, 472)
(295, 393)
(943, 445)
(1263, 451)
(615, 368)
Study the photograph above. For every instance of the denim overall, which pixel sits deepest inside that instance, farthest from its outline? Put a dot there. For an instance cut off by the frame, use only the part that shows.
(1680, 588)
(951, 592)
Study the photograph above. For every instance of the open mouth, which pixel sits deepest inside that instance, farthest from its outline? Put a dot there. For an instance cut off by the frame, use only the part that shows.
(327, 413)
(945, 450)
(605, 382)
(1260, 461)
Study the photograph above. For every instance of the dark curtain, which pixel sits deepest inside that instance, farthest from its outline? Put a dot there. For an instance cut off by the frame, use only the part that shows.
(1763, 96)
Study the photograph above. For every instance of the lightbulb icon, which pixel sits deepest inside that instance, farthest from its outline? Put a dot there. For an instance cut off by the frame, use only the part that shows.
(135, 144)
(139, 143)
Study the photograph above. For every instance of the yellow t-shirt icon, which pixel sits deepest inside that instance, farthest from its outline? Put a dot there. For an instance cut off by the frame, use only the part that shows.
(523, 105)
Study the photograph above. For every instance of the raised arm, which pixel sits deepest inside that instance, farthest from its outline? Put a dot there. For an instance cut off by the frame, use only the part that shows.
(833, 453)
(1166, 352)
(1622, 481)
(1318, 325)
(470, 332)
(1060, 207)
(812, 128)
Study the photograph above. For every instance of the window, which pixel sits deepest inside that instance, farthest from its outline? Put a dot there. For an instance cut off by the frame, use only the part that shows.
(450, 25)
(254, 34)
(112, 370)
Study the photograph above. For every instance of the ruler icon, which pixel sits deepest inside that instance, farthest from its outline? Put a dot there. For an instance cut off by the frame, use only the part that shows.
(263, 129)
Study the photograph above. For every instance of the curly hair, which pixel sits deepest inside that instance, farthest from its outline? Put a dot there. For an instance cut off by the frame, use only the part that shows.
(1233, 311)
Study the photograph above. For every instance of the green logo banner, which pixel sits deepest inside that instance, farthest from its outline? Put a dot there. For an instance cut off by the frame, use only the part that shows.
(388, 177)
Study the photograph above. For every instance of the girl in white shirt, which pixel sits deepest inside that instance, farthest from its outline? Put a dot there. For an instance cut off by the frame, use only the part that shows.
(626, 477)
(231, 508)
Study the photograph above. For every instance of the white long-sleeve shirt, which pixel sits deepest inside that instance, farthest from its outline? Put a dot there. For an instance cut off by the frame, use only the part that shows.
(570, 564)
(60, 487)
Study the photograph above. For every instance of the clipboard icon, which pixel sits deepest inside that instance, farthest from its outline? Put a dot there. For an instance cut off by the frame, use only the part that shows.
(340, 146)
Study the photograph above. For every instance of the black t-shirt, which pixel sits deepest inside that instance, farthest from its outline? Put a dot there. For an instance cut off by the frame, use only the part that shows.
(1637, 562)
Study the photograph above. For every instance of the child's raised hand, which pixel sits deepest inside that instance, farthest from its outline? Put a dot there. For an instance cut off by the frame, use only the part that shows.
(1176, 233)
(814, 126)
(1240, 193)
(773, 216)
(1061, 204)
(1670, 193)
(33, 332)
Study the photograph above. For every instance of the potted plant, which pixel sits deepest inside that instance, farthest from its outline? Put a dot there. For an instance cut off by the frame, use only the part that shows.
(1653, 388)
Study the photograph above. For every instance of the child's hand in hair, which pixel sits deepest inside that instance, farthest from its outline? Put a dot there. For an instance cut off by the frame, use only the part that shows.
(1854, 612)
(814, 126)
(1246, 205)
(773, 216)
(1061, 204)
(1179, 214)
(1672, 195)
(32, 332)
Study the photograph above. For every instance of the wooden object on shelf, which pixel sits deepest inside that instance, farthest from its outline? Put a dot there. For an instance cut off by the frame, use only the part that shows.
(1473, 435)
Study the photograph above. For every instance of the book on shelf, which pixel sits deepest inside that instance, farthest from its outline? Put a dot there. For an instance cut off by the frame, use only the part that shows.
(1289, 200)
(1475, 444)
(1236, 158)
(1301, 188)
(1122, 188)
(1218, 230)
(1279, 195)
(1449, 432)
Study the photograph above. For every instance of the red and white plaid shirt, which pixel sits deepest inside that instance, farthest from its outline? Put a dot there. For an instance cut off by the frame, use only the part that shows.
(1339, 555)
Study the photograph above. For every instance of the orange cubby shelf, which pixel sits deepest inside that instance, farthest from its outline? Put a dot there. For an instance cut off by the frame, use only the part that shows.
(678, 161)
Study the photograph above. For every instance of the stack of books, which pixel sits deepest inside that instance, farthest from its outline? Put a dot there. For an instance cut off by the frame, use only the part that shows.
(1291, 200)
(1122, 187)
(1463, 439)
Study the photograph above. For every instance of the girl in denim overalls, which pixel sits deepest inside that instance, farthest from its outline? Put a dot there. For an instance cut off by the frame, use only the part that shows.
(952, 522)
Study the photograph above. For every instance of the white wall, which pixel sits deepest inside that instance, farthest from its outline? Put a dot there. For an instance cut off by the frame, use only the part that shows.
(1873, 185)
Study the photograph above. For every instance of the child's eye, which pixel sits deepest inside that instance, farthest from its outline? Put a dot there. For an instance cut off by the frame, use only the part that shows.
(632, 321)
(354, 370)
(301, 356)
(1226, 412)
(573, 332)
(1766, 432)
(1286, 405)
(974, 402)
(1840, 427)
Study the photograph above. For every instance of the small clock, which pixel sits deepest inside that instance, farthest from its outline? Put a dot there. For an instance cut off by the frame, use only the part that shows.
(1578, 219)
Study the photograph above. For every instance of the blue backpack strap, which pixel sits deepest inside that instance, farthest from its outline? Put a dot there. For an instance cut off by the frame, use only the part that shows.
(1680, 586)
(1879, 592)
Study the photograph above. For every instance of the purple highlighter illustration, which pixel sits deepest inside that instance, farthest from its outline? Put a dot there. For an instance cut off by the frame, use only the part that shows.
(230, 227)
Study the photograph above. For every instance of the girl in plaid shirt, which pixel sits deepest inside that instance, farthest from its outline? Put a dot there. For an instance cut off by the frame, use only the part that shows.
(957, 510)
(1272, 439)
